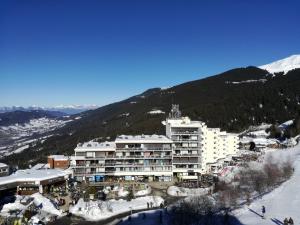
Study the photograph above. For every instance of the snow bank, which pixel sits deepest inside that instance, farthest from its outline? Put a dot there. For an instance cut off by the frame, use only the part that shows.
(46, 204)
(122, 192)
(228, 173)
(184, 192)
(23, 202)
(146, 191)
(99, 210)
(5, 212)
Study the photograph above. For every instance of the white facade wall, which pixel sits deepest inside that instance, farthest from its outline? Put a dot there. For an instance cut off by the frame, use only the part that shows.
(213, 145)
(128, 156)
(189, 144)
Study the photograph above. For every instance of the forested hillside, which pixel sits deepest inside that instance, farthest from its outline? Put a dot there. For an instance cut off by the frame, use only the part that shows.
(233, 100)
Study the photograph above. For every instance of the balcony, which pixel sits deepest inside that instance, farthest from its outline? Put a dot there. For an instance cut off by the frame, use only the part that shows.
(184, 140)
(143, 149)
(185, 155)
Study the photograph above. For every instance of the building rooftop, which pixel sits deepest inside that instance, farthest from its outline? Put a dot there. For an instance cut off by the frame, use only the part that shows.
(3, 165)
(143, 139)
(183, 122)
(34, 175)
(59, 157)
(96, 146)
(40, 166)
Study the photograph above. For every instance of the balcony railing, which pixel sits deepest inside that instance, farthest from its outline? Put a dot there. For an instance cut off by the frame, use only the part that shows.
(144, 149)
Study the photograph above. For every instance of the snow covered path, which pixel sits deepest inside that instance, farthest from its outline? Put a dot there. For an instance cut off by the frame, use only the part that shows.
(281, 203)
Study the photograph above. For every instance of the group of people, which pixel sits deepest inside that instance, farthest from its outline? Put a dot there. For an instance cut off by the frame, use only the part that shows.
(289, 221)
(286, 221)
(149, 205)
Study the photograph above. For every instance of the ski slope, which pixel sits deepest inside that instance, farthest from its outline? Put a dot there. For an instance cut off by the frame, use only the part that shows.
(282, 202)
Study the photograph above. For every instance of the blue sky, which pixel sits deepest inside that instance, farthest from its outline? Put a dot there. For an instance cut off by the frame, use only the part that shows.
(96, 52)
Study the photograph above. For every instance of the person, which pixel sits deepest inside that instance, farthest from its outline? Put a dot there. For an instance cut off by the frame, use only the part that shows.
(263, 211)
(291, 221)
(285, 221)
(160, 217)
(147, 205)
(151, 204)
(226, 218)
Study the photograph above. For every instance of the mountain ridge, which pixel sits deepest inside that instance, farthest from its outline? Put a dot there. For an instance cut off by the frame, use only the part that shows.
(67, 109)
(224, 100)
(283, 65)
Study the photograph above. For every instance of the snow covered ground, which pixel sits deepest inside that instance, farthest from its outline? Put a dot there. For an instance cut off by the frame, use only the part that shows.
(17, 137)
(46, 207)
(99, 210)
(184, 192)
(283, 202)
(123, 192)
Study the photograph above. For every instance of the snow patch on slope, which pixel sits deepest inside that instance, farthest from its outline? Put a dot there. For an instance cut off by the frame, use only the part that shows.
(156, 112)
(283, 65)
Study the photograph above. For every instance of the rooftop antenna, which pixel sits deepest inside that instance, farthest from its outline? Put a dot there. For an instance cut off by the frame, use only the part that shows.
(175, 112)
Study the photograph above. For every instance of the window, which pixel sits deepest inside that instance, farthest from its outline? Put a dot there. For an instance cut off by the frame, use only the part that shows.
(90, 154)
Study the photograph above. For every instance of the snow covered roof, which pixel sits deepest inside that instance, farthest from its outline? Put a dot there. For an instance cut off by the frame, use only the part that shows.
(3, 165)
(96, 146)
(41, 166)
(143, 139)
(59, 157)
(34, 175)
(183, 122)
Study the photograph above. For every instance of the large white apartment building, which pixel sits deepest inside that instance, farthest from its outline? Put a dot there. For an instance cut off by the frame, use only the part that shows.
(127, 158)
(92, 161)
(188, 150)
(188, 146)
(144, 156)
(197, 148)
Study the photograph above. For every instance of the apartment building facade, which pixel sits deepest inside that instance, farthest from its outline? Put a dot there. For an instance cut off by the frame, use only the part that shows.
(188, 150)
(147, 157)
(197, 148)
(188, 147)
(144, 156)
(92, 161)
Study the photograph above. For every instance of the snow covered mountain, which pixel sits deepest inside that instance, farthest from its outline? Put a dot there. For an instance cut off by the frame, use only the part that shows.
(68, 109)
(283, 65)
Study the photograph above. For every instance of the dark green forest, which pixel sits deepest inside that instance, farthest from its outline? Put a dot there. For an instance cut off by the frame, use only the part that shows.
(219, 100)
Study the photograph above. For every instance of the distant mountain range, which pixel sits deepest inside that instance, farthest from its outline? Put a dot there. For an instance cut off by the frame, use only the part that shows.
(233, 101)
(22, 117)
(67, 109)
